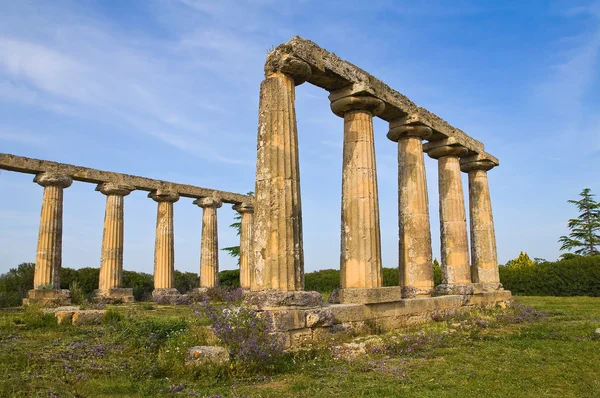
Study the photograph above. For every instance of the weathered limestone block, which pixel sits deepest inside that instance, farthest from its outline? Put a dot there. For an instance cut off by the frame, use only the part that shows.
(111, 262)
(278, 249)
(164, 247)
(88, 317)
(165, 295)
(64, 316)
(209, 247)
(319, 318)
(246, 210)
(456, 273)
(272, 299)
(373, 295)
(207, 355)
(299, 337)
(484, 260)
(48, 297)
(344, 313)
(54, 310)
(48, 259)
(114, 295)
(360, 258)
(415, 257)
(284, 320)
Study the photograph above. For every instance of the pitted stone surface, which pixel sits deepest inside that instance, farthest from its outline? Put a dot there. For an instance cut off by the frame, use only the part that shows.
(207, 355)
(372, 295)
(273, 298)
(88, 317)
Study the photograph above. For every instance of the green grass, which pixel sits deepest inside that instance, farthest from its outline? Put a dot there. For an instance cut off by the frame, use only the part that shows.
(140, 351)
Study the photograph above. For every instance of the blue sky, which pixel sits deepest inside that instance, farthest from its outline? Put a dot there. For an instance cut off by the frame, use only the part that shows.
(168, 89)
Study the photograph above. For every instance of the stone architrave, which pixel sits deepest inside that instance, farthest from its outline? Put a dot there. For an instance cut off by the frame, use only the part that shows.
(246, 210)
(164, 247)
(209, 246)
(456, 274)
(360, 258)
(278, 250)
(48, 259)
(111, 263)
(484, 260)
(414, 241)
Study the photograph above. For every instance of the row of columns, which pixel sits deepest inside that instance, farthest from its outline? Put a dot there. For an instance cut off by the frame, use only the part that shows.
(278, 252)
(49, 250)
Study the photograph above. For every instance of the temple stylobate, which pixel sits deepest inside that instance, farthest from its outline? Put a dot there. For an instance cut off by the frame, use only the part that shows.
(271, 253)
(358, 97)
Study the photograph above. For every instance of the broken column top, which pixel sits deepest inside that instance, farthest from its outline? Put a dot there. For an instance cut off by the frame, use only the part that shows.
(342, 78)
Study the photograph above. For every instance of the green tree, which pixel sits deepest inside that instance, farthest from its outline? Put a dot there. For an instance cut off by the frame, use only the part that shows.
(584, 237)
(520, 262)
(234, 251)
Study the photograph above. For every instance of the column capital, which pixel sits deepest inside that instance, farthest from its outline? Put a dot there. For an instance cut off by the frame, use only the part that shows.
(354, 103)
(161, 195)
(288, 65)
(484, 164)
(111, 188)
(50, 179)
(445, 147)
(400, 129)
(244, 207)
(208, 202)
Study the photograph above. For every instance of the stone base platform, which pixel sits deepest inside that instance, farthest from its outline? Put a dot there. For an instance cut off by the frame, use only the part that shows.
(48, 297)
(369, 296)
(301, 326)
(268, 299)
(165, 295)
(115, 295)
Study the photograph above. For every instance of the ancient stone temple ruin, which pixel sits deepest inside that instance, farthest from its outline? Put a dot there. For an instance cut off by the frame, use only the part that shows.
(272, 261)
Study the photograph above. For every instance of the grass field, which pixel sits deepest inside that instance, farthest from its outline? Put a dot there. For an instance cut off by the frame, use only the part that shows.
(139, 351)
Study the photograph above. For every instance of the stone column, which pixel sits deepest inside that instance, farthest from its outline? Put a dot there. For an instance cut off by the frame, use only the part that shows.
(414, 243)
(111, 262)
(48, 259)
(246, 210)
(278, 250)
(164, 247)
(484, 260)
(209, 246)
(360, 259)
(456, 274)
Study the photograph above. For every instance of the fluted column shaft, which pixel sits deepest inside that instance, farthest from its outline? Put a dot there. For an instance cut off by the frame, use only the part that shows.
(111, 262)
(453, 222)
(484, 260)
(209, 246)
(360, 258)
(278, 249)
(48, 259)
(164, 246)
(246, 211)
(414, 242)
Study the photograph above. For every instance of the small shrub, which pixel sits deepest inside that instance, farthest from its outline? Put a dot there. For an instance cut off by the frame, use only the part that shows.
(249, 337)
(77, 293)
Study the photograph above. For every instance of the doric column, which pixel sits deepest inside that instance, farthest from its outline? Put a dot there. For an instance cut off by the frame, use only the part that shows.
(246, 210)
(360, 259)
(111, 262)
(414, 242)
(278, 250)
(456, 274)
(209, 246)
(164, 247)
(48, 259)
(484, 260)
